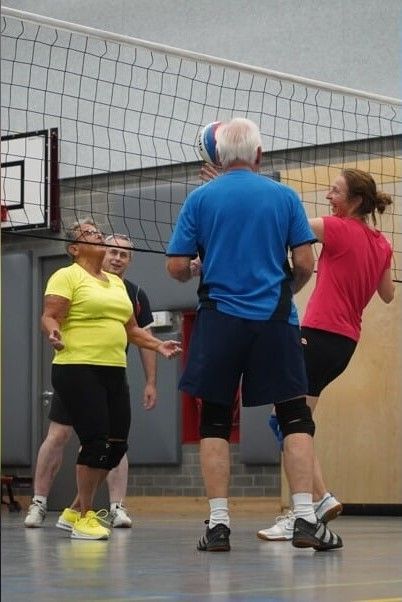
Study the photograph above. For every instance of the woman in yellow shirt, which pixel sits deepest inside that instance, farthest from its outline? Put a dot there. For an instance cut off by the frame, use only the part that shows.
(88, 319)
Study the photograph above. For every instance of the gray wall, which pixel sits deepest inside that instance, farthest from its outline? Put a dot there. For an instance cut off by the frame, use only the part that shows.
(355, 43)
(24, 376)
(16, 353)
(352, 43)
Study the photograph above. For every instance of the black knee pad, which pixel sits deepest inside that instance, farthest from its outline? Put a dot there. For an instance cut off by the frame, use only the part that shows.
(116, 452)
(95, 454)
(294, 416)
(216, 421)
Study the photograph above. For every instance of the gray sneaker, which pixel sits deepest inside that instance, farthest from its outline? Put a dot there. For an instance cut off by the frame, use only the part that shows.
(119, 517)
(328, 509)
(36, 514)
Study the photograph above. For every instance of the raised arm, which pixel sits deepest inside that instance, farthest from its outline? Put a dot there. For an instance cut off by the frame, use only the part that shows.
(209, 172)
(386, 288)
(317, 226)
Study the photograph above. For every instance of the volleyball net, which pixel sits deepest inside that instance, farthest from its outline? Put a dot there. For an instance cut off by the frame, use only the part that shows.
(102, 125)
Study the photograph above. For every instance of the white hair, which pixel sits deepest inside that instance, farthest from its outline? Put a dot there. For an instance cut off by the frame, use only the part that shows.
(238, 140)
(111, 237)
(74, 229)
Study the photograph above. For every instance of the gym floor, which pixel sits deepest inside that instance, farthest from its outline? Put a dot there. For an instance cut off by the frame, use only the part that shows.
(156, 560)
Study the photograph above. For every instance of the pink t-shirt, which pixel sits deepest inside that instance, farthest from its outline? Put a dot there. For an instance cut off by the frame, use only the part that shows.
(352, 261)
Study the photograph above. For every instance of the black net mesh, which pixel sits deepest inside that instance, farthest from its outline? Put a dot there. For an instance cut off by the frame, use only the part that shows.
(112, 126)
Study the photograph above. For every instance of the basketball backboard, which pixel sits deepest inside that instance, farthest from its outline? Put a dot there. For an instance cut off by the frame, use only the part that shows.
(29, 180)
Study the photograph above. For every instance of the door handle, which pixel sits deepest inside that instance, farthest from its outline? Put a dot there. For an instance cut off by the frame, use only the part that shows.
(47, 397)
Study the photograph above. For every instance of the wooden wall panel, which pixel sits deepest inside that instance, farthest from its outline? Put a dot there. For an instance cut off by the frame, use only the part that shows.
(359, 416)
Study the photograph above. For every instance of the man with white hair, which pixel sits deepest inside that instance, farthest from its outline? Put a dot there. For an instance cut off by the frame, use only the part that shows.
(242, 225)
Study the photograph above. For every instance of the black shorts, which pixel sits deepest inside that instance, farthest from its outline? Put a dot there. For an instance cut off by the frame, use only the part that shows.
(58, 412)
(266, 356)
(96, 397)
(326, 355)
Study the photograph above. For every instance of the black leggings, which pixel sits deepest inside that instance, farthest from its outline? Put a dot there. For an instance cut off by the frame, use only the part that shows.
(97, 399)
(326, 355)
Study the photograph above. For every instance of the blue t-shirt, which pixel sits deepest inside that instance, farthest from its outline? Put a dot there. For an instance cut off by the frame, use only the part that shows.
(242, 225)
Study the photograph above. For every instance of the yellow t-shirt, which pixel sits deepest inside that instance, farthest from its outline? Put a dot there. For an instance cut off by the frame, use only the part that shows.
(93, 331)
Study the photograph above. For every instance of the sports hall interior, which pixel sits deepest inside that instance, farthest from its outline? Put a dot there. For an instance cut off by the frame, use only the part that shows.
(359, 417)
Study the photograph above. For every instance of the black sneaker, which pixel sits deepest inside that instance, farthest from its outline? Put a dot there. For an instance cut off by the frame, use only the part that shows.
(215, 539)
(314, 535)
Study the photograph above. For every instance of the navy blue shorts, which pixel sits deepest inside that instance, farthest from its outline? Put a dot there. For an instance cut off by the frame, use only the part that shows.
(265, 356)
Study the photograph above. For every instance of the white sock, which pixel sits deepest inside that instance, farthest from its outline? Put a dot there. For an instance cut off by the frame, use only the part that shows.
(40, 498)
(320, 501)
(114, 505)
(219, 512)
(303, 507)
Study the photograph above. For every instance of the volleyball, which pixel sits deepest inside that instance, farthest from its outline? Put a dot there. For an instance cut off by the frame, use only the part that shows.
(207, 143)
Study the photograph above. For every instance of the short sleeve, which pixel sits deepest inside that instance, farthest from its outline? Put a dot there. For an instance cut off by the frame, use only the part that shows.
(334, 233)
(140, 302)
(144, 315)
(300, 232)
(60, 284)
(183, 242)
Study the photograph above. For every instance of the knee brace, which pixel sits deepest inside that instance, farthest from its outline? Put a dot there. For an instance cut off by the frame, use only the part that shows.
(294, 416)
(116, 452)
(95, 454)
(216, 421)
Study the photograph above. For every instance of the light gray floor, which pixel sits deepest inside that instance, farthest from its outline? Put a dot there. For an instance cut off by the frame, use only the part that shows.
(157, 561)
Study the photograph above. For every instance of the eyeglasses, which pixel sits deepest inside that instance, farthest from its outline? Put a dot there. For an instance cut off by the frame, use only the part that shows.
(90, 233)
